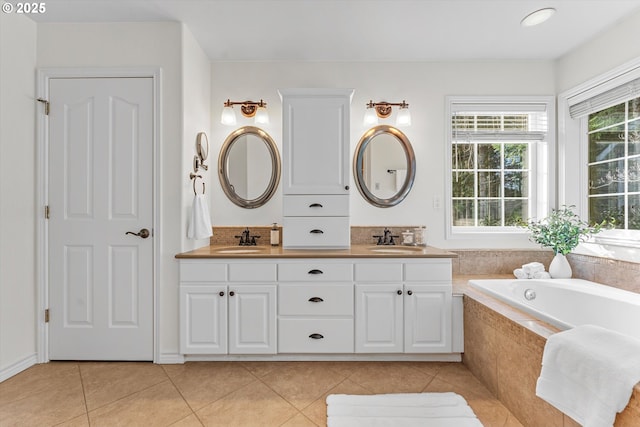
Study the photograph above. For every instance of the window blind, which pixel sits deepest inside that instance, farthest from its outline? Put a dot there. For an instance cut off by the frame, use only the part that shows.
(499, 121)
(609, 98)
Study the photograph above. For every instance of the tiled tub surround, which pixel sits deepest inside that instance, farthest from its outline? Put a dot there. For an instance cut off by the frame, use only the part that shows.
(504, 347)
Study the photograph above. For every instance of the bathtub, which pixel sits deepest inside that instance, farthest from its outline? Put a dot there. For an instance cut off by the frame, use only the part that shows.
(566, 303)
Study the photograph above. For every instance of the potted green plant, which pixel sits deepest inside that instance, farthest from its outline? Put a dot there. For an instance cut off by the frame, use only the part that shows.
(562, 231)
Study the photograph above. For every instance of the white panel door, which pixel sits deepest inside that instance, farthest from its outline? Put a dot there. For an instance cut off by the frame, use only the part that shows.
(379, 319)
(427, 312)
(99, 188)
(252, 319)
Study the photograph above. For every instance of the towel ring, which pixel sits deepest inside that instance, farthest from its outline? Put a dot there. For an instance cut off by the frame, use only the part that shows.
(195, 178)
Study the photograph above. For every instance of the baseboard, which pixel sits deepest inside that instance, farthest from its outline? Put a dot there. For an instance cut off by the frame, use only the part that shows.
(18, 367)
(170, 359)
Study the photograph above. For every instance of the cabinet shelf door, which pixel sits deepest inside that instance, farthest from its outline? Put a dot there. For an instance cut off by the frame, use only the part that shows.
(427, 313)
(203, 319)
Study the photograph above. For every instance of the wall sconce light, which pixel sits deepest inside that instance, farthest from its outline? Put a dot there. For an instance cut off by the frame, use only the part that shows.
(383, 110)
(257, 110)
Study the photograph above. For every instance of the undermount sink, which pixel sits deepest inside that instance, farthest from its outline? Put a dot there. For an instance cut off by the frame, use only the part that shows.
(239, 250)
(395, 249)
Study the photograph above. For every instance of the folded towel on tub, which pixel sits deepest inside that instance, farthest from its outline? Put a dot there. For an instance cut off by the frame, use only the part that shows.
(520, 274)
(589, 372)
(400, 410)
(532, 268)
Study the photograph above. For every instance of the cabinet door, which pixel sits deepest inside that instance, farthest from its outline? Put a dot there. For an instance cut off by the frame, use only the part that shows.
(252, 319)
(203, 319)
(316, 142)
(379, 319)
(427, 313)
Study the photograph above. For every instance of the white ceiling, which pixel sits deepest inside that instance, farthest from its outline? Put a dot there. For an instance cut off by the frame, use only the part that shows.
(363, 30)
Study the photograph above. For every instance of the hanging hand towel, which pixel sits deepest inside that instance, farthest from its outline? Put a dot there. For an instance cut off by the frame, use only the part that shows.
(200, 224)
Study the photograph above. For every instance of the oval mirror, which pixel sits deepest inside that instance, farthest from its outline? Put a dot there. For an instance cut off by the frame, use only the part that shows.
(249, 167)
(202, 146)
(384, 166)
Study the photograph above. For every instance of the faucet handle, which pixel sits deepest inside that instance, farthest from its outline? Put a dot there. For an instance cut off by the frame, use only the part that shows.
(253, 240)
(379, 239)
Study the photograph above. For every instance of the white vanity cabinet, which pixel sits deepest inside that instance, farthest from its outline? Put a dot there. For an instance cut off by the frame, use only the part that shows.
(315, 306)
(316, 167)
(403, 306)
(227, 307)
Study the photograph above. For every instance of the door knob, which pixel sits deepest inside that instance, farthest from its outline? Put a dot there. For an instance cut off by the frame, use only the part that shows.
(144, 233)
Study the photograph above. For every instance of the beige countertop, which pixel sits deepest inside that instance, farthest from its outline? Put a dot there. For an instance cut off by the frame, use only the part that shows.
(355, 251)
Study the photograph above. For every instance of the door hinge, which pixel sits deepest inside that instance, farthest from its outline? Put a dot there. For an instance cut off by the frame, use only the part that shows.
(46, 106)
(46, 212)
(46, 315)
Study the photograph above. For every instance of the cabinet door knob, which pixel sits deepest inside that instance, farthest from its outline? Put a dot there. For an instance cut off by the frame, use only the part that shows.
(315, 299)
(221, 293)
(231, 293)
(399, 292)
(316, 336)
(315, 205)
(316, 231)
(409, 292)
(346, 187)
(315, 271)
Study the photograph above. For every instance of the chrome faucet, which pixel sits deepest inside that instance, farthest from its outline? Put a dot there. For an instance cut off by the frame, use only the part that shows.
(386, 238)
(246, 239)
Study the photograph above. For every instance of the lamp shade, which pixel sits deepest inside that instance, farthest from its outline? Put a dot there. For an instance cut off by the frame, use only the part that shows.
(370, 117)
(404, 117)
(262, 117)
(228, 116)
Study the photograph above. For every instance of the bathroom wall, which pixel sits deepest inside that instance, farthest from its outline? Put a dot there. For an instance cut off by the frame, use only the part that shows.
(605, 52)
(196, 114)
(17, 197)
(141, 44)
(423, 85)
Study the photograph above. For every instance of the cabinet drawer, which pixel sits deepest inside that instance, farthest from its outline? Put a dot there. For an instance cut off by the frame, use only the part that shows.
(315, 232)
(315, 300)
(391, 272)
(315, 336)
(428, 272)
(316, 205)
(202, 271)
(315, 272)
(252, 272)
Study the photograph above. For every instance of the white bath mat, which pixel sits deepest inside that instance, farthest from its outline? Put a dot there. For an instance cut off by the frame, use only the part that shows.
(400, 410)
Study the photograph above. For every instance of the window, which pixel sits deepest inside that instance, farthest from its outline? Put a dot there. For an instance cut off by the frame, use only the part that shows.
(614, 164)
(497, 162)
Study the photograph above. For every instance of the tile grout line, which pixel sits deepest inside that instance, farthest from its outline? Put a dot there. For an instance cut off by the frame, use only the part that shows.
(84, 394)
(182, 396)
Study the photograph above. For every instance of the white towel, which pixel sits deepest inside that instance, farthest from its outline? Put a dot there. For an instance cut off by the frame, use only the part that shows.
(400, 410)
(401, 176)
(520, 274)
(541, 275)
(589, 372)
(533, 268)
(200, 224)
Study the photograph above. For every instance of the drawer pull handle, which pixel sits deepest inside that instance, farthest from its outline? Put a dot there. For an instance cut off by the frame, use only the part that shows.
(316, 336)
(315, 299)
(315, 205)
(316, 231)
(399, 292)
(315, 271)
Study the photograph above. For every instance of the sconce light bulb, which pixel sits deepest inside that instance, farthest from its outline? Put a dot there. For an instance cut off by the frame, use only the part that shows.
(262, 117)
(404, 117)
(370, 117)
(228, 116)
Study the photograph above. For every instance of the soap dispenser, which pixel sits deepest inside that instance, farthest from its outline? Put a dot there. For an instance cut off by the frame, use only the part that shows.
(275, 235)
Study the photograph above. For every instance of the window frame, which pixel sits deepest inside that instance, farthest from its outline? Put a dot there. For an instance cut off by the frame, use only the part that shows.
(541, 167)
(573, 173)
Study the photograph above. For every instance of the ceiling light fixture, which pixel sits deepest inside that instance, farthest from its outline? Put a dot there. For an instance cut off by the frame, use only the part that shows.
(258, 110)
(537, 17)
(383, 110)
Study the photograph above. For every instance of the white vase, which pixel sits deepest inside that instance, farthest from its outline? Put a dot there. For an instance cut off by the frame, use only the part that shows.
(559, 267)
